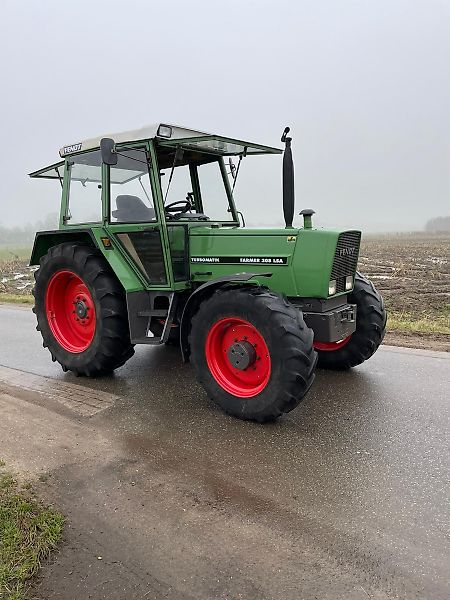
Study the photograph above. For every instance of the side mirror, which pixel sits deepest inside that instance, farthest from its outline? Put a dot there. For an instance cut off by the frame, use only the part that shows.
(108, 151)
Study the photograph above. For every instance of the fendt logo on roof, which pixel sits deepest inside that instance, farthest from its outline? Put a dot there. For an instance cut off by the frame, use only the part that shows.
(350, 251)
(72, 148)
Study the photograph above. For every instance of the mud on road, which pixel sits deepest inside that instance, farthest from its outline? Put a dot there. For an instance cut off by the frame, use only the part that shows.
(167, 497)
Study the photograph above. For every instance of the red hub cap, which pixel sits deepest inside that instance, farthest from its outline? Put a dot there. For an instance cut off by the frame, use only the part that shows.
(70, 311)
(238, 357)
(330, 346)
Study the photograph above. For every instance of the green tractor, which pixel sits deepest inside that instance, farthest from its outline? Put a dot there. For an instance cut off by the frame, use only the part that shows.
(150, 250)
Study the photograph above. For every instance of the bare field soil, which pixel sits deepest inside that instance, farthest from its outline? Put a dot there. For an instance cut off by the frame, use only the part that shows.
(16, 278)
(412, 271)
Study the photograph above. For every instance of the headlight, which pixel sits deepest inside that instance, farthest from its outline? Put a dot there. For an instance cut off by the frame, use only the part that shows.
(332, 287)
(348, 283)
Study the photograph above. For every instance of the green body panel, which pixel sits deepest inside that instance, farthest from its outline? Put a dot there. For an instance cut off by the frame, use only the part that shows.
(308, 252)
(313, 261)
(126, 272)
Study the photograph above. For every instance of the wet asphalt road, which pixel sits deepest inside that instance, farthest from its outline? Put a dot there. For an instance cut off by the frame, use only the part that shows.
(346, 497)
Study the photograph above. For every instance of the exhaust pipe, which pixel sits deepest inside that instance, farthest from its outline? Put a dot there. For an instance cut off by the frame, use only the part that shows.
(288, 180)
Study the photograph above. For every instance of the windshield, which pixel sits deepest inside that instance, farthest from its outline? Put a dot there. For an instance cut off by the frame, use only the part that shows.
(198, 188)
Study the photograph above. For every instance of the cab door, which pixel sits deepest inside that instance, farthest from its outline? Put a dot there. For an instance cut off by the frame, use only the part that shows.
(133, 216)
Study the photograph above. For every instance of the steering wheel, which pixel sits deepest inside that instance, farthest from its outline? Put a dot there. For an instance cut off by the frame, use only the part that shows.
(180, 208)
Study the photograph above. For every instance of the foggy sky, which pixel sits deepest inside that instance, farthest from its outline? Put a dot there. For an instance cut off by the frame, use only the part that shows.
(363, 84)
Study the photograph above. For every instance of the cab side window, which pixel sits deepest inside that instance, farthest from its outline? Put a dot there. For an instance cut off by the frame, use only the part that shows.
(85, 188)
(131, 194)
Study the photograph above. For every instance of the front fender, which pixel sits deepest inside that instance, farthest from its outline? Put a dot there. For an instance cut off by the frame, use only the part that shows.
(200, 294)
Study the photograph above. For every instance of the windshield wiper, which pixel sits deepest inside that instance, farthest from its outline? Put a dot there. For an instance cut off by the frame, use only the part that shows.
(59, 176)
(235, 174)
(178, 156)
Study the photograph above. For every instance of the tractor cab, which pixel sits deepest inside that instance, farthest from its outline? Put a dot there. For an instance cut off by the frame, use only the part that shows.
(187, 173)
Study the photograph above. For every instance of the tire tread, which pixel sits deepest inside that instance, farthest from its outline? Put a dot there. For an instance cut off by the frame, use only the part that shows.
(295, 345)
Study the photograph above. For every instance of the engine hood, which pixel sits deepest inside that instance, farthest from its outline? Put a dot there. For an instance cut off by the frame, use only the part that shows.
(300, 260)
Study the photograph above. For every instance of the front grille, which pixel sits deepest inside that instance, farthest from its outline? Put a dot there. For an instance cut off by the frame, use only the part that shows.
(345, 258)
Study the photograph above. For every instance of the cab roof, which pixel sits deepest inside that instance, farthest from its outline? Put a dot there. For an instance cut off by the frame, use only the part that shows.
(168, 136)
(147, 132)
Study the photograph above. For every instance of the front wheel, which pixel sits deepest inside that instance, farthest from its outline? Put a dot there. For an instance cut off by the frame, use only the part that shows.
(252, 352)
(370, 329)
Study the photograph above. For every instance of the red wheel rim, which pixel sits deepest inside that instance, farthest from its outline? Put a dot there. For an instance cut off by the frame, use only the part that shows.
(221, 340)
(70, 311)
(331, 346)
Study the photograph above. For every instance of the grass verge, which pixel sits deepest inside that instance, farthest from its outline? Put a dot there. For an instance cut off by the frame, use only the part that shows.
(16, 299)
(8, 253)
(28, 533)
(436, 323)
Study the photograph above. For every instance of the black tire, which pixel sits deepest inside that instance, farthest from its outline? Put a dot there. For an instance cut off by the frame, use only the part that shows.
(289, 342)
(370, 328)
(110, 347)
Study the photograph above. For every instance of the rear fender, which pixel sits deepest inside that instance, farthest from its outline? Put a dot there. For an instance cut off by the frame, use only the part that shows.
(201, 294)
(44, 240)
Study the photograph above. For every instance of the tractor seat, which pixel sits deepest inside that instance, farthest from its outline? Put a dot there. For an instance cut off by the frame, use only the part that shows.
(131, 209)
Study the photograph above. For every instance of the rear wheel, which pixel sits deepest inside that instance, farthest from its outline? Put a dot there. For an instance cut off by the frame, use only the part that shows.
(252, 352)
(81, 310)
(370, 329)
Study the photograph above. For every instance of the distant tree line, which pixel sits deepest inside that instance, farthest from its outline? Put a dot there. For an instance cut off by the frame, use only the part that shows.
(438, 224)
(25, 235)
